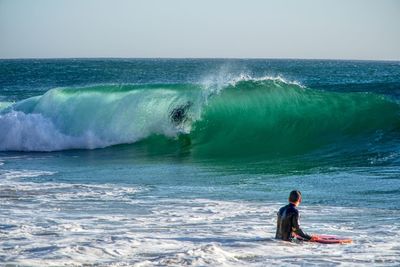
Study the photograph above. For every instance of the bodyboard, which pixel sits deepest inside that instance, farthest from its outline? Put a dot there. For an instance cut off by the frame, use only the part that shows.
(331, 239)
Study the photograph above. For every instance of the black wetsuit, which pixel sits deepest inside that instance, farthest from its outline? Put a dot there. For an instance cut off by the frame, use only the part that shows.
(288, 224)
(180, 114)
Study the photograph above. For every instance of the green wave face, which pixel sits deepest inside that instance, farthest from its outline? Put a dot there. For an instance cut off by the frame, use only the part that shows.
(270, 117)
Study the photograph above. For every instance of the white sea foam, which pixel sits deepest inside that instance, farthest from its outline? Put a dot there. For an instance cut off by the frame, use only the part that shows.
(66, 224)
(34, 132)
(246, 77)
(217, 83)
(63, 192)
(4, 105)
(15, 174)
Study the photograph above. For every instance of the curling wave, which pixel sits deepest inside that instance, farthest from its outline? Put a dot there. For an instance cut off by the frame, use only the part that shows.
(267, 116)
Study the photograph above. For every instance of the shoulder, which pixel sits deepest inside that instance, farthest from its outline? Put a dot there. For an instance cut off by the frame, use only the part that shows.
(281, 210)
(293, 210)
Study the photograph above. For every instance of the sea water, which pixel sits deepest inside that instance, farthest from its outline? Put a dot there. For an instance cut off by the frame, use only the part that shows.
(143, 162)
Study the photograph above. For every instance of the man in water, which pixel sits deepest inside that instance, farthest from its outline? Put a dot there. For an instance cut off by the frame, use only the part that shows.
(179, 114)
(288, 225)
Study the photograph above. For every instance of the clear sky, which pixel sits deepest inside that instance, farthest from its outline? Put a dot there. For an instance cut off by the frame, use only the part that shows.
(336, 29)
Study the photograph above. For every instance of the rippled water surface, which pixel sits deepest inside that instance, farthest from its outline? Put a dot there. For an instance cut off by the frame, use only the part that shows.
(186, 162)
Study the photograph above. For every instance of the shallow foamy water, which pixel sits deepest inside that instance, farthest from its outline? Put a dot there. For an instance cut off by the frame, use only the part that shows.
(69, 224)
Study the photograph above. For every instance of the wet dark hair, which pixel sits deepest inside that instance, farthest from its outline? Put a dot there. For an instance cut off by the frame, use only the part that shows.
(294, 196)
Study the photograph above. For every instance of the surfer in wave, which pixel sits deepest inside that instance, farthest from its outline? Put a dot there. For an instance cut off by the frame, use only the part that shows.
(288, 226)
(179, 115)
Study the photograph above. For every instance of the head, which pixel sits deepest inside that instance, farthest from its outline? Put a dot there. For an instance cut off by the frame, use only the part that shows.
(295, 197)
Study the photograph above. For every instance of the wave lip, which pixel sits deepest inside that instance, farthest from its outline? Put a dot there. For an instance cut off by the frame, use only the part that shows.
(248, 78)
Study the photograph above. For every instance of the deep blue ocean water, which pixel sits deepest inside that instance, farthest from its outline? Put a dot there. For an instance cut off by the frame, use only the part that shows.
(185, 161)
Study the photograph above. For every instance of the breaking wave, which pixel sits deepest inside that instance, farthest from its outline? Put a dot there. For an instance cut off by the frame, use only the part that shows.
(246, 116)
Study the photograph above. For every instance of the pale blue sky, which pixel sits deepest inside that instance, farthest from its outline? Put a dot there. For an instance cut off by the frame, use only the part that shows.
(338, 29)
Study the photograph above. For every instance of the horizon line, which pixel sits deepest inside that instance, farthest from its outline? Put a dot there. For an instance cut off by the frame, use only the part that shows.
(206, 58)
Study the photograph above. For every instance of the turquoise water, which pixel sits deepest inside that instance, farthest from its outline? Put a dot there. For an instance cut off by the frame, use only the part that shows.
(185, 162)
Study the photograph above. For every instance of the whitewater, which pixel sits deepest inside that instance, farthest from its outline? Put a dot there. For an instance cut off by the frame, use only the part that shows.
(134, 162)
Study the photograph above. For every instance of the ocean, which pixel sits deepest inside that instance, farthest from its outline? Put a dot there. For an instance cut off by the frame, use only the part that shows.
(185, 162)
